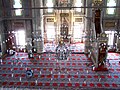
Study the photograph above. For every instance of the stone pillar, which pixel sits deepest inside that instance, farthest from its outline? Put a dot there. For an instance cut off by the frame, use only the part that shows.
(88, 20)
(37, 26)
(2, 38)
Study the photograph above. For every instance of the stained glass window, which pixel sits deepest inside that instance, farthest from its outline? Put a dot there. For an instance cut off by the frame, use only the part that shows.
(111, 3)
(17, 4)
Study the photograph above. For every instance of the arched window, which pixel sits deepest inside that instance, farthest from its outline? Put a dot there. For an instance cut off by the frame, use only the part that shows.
(18, 4)
(111, 3)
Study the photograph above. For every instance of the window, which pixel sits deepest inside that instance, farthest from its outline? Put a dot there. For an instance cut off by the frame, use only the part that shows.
(49, 4)
(78, 3)
(17, 4)
(111, 3)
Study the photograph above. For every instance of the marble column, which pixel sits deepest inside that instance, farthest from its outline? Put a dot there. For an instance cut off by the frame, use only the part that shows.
(2, 38)
(38, 25)
(88, 20)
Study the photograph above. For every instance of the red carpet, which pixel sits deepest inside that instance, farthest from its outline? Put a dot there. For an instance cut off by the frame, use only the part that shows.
(49, 73)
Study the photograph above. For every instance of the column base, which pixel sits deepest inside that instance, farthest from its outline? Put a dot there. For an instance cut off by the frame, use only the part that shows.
(100, 68)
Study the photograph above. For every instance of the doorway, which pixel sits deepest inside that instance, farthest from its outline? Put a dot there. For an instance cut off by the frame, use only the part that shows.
(78, 32)
(50, 30)
(110, 35)
(20, 39)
